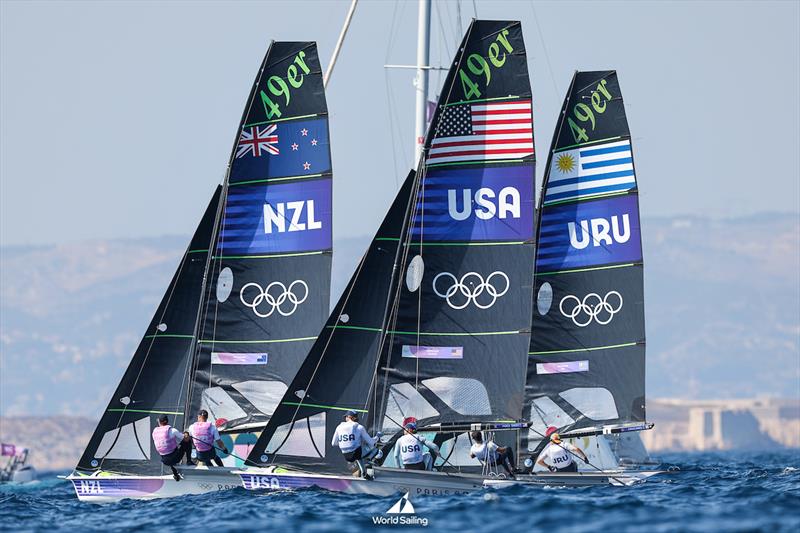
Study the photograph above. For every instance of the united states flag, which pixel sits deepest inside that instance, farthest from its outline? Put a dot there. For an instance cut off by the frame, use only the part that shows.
(479, 132)
(254, 140)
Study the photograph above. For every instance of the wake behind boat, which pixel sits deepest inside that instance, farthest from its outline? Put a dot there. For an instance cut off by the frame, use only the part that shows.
(244, 306)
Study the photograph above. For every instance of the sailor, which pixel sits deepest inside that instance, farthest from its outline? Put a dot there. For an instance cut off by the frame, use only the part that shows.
(490, 453)
(170, 445)
(560, 454)
(412, 452)
(205, 435)
(351, 437)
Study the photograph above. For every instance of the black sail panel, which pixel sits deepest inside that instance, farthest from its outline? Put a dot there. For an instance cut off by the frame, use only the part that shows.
(340, 368)
(269, 282)
(155, 381)
(458, 337)
(587, 355)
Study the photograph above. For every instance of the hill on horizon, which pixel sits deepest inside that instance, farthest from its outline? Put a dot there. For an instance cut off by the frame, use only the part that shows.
(722, 300)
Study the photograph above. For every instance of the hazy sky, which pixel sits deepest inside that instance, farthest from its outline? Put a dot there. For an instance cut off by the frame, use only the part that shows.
(117, 118)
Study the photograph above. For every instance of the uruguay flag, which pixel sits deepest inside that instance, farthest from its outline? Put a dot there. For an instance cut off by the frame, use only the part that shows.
(282, 149)
(591, 171)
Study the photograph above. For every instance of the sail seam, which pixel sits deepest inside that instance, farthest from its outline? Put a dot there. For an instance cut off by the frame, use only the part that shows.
(495, 99)
(590, 197)
(284, 178)
(298, 117)
(121, 410)
(591, 349)
(325, 407)
(217, 341)
(607, 267)
(485, 162)
(274, 256)
(570, 147)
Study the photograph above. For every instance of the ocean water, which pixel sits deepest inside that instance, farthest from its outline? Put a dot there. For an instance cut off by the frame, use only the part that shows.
(710, 492)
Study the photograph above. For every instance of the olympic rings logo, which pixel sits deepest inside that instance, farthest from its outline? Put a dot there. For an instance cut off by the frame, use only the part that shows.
(471, 288)
(592, 307)
(274, 296)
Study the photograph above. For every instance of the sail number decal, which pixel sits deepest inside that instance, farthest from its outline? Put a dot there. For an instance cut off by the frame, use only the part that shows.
(584, 114)
(477, 65)
(280, 90)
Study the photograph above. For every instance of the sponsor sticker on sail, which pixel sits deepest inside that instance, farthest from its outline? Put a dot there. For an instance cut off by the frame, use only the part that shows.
(594, 170)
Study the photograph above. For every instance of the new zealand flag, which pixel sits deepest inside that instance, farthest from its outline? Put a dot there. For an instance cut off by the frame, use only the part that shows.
(282, 149)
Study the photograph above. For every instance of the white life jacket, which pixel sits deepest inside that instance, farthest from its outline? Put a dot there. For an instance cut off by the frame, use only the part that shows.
(347, 436)
(165, 443)
(559, 457)
(411, 449)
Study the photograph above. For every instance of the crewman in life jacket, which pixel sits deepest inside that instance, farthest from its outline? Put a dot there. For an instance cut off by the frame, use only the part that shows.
(170, 445)
(412, 451)
(205, 435)
(351, 436)
(491, 454)
(560, 453)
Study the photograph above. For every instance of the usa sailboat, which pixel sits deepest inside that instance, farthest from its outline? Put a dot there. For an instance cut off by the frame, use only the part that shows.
(435, 323)
(245, 303)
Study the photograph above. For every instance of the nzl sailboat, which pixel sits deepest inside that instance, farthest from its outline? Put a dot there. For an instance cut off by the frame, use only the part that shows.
(246, 302)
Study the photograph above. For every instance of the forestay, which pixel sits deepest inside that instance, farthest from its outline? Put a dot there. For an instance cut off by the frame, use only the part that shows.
(268, 285)
(587, 355)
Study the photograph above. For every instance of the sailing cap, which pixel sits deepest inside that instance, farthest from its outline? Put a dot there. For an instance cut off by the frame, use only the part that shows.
(163, 419)
(411, 425)
(550, 431)
(351, 413)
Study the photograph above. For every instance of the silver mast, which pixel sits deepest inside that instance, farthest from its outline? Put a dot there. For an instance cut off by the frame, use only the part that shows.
(421, 82)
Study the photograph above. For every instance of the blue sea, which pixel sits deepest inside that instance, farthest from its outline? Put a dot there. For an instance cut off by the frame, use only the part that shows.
(708, 492)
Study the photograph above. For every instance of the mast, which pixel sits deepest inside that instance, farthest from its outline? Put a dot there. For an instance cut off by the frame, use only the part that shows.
(421, 81)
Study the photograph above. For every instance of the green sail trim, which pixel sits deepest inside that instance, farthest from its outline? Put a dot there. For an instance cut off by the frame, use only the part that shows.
(118, 410)
(286, 178)
(596, 141)
(325, 407)
(284, 119)
(264, 341)
(592, 349)
(273, 256)
(556, 272)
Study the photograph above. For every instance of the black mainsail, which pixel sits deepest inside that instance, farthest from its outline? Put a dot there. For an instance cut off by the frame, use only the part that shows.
(438, 314)
(155, 381)
(586, 371)
(253, 289)
(269, 281)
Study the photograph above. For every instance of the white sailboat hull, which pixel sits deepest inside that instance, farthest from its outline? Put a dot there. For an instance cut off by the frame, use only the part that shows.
(105, 487)
(388, 481)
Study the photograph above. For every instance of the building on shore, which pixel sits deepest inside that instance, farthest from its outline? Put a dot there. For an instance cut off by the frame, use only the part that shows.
(706, 425)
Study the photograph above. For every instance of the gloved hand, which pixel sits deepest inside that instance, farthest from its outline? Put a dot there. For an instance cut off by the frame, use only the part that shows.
(378, 435)
(552, 468)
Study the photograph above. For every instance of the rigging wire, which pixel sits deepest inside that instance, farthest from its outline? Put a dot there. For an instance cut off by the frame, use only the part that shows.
(544, 49)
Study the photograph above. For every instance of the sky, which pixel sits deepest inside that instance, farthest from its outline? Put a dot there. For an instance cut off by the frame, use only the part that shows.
(117, 118)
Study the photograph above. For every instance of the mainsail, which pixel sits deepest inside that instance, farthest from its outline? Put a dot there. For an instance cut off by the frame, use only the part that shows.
(268, 285)
(586, 366)
(155, 381)
(253, 289)
(438, 314)
(457, 339)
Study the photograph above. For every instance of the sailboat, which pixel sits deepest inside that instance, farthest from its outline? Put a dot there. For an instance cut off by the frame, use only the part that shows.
(435, 323)
(246, 302)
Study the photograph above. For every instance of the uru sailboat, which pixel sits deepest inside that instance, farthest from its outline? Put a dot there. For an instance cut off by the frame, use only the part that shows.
(586, 371)
(246, 302)
(435, 322)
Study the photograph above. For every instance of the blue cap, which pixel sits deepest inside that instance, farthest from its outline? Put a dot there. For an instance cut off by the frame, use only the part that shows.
(411, 425)
(351, 413)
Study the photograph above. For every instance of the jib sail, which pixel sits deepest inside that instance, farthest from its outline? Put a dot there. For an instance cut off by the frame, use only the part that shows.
(586, 365)
(268, 285)
(155, 382)
(340, 368)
